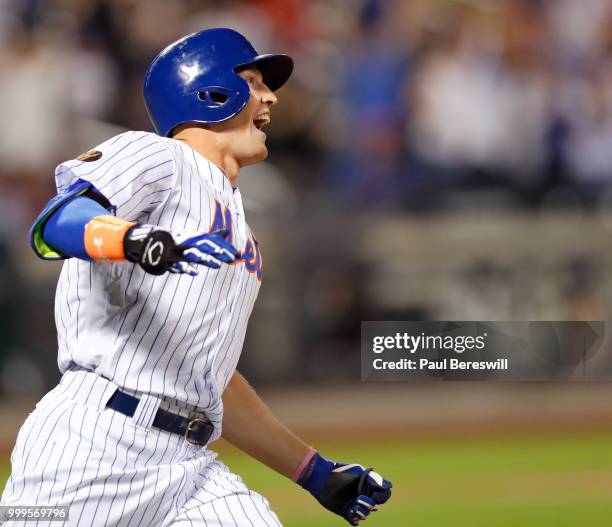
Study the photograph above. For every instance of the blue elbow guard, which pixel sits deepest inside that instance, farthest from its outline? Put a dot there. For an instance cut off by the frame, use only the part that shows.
(72, 243)
(64, 230)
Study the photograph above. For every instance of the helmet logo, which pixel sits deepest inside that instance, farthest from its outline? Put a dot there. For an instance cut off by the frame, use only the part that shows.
(190, 71)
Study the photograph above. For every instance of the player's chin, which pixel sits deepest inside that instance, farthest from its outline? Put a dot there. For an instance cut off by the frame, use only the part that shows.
(263, 153)
(254, 147)
(259, 153)
(254, 157)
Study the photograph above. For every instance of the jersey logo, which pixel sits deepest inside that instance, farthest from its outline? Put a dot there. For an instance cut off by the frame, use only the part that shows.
(222, 220)
(252, 258)
(250, 255)
(92, 155)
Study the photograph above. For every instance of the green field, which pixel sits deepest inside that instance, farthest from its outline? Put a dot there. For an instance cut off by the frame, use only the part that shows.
(541, 481)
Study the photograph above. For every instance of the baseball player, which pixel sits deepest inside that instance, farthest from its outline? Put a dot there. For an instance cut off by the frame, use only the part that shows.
(160, 276)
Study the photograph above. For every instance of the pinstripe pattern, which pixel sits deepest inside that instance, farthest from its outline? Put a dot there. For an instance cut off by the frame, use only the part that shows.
(113, 472)
(171, 335)
(174, 340)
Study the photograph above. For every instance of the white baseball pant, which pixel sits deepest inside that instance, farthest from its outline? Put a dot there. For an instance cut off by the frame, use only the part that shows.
(113, 470)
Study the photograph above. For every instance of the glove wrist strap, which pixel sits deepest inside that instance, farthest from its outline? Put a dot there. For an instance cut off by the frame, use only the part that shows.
(152, 248)
(297, 474)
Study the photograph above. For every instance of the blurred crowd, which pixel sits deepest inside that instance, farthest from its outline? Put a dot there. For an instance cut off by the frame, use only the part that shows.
(395, 105)
(394, 102)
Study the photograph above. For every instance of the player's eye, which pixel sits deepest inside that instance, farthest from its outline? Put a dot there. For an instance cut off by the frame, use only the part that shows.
(254, 81)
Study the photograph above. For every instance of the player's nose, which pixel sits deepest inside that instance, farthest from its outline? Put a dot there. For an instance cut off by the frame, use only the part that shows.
(268, 97)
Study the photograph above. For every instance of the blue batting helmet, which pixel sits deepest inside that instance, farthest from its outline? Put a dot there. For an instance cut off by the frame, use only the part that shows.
(195, 80)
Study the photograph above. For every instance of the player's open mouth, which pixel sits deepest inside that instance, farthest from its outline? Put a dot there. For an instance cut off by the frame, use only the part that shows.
(261, 120)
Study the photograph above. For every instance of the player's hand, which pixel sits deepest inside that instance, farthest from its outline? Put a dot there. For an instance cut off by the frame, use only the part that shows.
(349, 490)
(211, 250)
(157, 250)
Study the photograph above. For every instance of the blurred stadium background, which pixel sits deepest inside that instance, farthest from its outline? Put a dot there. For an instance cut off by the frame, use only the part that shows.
(430, 159)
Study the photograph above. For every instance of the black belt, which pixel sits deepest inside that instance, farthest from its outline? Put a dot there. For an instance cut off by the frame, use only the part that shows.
(196, 431)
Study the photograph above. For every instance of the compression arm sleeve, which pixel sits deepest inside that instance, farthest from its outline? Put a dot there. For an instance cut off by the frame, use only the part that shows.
(82, 228)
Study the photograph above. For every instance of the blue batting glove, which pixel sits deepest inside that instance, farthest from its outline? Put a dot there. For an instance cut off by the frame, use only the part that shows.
(349, 490)
(211, 249)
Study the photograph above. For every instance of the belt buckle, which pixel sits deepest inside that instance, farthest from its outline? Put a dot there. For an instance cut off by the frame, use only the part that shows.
(190, 428)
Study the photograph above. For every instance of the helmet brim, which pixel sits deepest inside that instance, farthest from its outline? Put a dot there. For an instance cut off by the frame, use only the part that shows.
(275, 69)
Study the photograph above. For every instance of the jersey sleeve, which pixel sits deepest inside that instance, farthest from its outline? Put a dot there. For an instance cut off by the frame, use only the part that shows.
(134, 171)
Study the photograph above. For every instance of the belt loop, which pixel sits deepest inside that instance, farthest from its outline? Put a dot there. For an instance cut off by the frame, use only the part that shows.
(100, 389)
(145, 411)
(106, 394)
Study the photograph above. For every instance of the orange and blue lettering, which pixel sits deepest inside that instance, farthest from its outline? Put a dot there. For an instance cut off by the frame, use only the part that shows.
(252, 258)
(222, 220)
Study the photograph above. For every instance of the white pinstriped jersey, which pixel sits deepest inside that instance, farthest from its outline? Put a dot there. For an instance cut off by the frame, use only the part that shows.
(172, 335)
